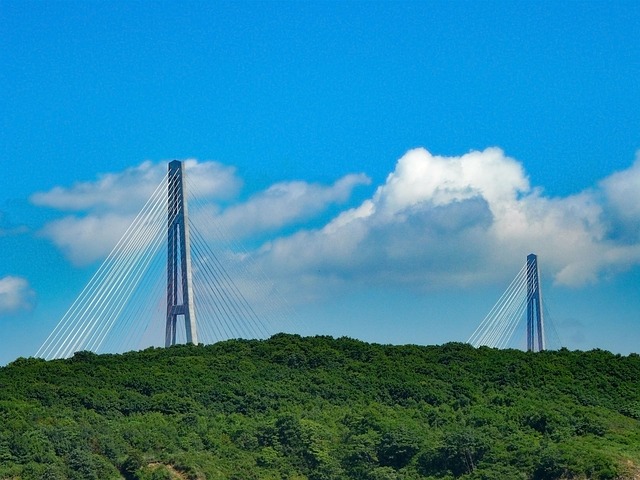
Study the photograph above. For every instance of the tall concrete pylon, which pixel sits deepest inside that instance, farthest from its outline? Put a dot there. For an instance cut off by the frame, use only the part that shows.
(179, 278)
(535, 319)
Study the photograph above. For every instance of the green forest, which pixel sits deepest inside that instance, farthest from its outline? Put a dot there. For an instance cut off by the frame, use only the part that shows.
(320, 408)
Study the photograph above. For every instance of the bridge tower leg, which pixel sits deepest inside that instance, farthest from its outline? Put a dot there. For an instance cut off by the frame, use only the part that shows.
(535, 319)
(179, 284)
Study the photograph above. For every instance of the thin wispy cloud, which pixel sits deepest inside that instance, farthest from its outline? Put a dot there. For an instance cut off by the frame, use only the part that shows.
(104, 208)
(7, 228)
(107, 206)
(284, 204)
(15, 294)
(85, 239)
(130, 189)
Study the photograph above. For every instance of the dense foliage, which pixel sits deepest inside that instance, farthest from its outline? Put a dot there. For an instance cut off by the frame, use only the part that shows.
(321, 408)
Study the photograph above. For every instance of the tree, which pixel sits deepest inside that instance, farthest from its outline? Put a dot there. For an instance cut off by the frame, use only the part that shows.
(397, 448)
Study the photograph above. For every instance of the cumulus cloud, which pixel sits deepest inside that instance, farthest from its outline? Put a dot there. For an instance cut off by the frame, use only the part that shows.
(15, 294)
(440, 221)
(621, 194)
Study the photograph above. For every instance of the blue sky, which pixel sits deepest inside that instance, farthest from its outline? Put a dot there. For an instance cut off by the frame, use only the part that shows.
(427, 148)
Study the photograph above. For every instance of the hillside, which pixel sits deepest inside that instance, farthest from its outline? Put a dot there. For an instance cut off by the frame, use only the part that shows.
(321, 408)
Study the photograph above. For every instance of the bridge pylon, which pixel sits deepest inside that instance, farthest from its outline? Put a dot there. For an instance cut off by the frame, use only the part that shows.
(522, 299)
(179, 276)
(535, 318)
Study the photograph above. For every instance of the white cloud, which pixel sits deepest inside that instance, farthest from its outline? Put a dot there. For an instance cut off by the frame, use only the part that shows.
(127, 191)
(107, 206)
(621, 192)
(283, 204)
(421, 177)
(87, 239)
(436, 221)
(15, 294)
(211, 179)
(460, 220)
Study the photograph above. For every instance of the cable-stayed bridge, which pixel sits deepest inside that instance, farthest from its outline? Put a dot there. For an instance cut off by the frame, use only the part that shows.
(520, 307)
(163, 284)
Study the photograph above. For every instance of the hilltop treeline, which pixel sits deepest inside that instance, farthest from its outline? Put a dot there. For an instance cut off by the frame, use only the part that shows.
(321, 408)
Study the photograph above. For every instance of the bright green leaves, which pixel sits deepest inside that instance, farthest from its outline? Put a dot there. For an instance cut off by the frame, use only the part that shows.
(321, 409)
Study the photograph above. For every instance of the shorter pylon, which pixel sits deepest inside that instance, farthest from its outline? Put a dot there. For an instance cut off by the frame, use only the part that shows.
(535, 318)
